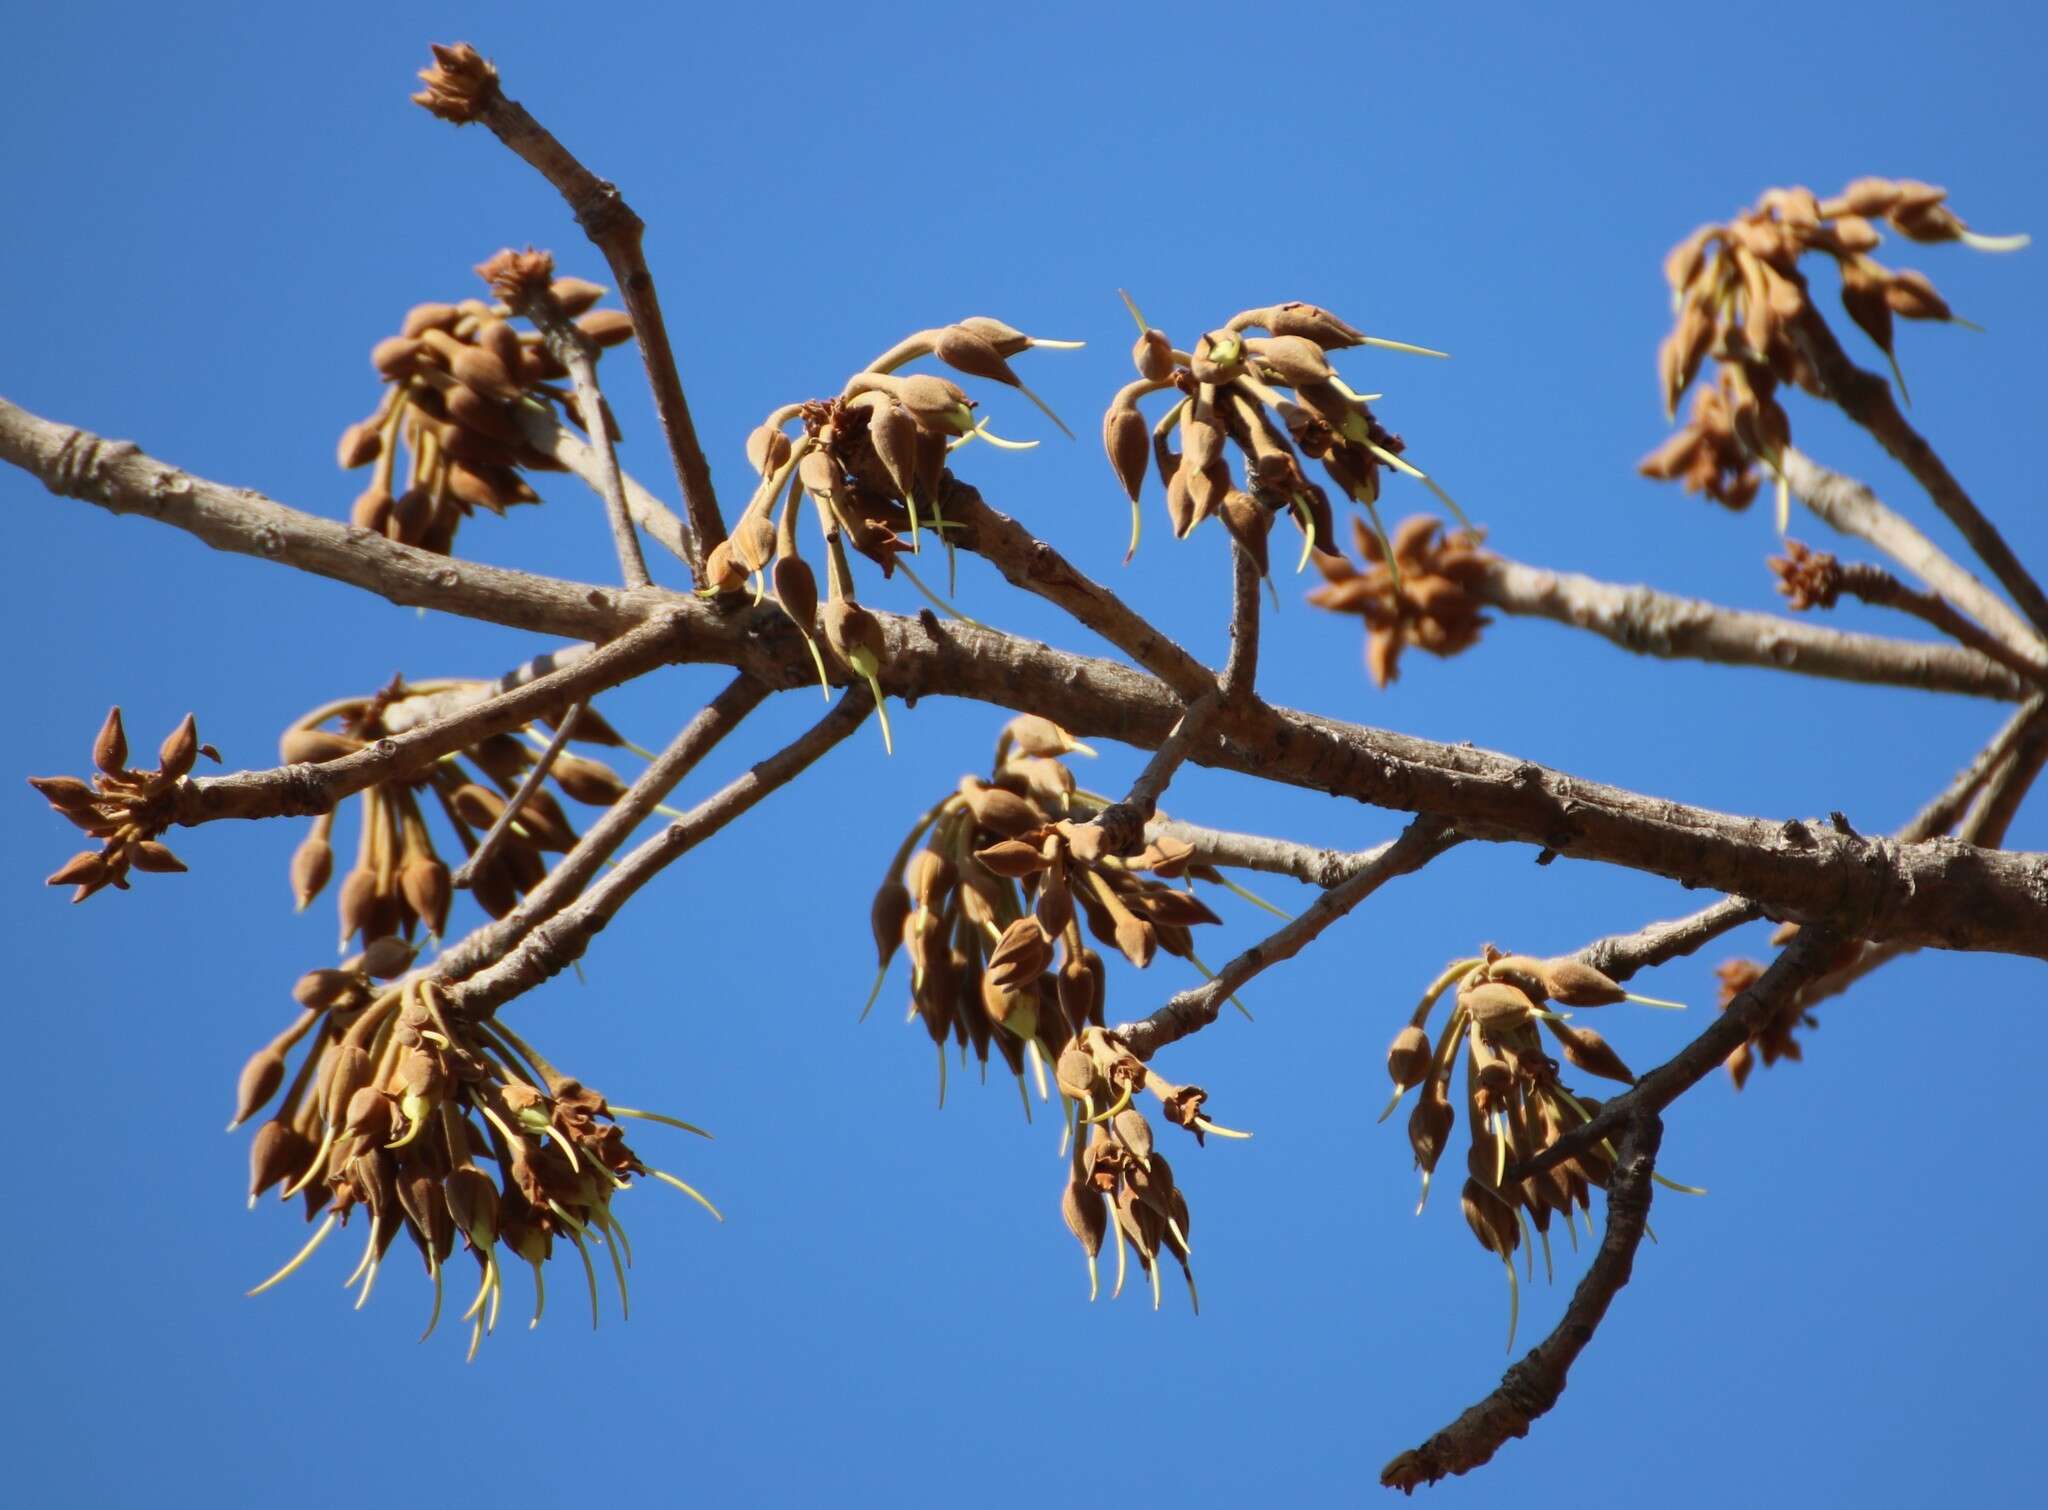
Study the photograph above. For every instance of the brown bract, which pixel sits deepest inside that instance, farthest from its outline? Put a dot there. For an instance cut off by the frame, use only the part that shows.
(123, 808)
(1430, 604)
(459, 85)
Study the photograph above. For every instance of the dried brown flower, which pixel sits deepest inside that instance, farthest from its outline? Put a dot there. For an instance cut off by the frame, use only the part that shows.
(1424, 599)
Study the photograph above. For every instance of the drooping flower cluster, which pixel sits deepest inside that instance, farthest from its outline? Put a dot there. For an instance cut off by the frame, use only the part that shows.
(126, 810)
(441, 1127)
(872, 463)
(1740, 297)
(398, 882)
(458, 377)
(1422, 597)
(1514, 1102)
(988, 898)
(1275, 399)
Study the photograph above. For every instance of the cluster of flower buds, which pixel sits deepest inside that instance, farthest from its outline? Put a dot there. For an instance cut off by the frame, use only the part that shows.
(457, 377)
(1774, 1040)
(399, 1102)
(873, 464)
(1118, 1185)
(1421, 596)
(1739, 295)
(1276, 399)
(1515, 1104)
(1808, 578)
(399, 883)
(125, 810)
(988, 897)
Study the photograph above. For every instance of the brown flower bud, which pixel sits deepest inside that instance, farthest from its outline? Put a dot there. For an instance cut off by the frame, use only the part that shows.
(1911, 296)
(277, 1154)
(1291, 360)
(1054, 908)
(753, 542)
(328, 990)
(110, 745)
(361, 443)
(796, 589)
(1573, 984)
(1408, 1057)
(998, 811)
(315, 746)
(1020, 955)
(1082, 1208)
(395, 358)
(1496, 1006)
(969, 352)
(1590, 1052)
(179, 750)
(473, 1204)
(930, 878)
(258, 1082)
(387, 958)
(607, 327)
(854, 636)
(157, 859)
(590, 782)
(1134, 1132)
(1080, 988)
(575, 295)
(1153, 356)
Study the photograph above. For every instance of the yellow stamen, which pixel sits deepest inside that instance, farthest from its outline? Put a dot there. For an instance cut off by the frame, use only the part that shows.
(300, 1257)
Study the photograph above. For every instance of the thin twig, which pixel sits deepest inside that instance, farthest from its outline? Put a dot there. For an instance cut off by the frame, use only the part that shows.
(551, 437)
(1803, 960)
(1649, 622)
(617, 231)
(570, 874)
(553, 945)
(1853, 509)
(1122, 824)
(573, 349)
(1241, 669)
(1189, 1012)
(1941, 813)
(1310, 863)
(528, 785)
(1873, 584)
(1867, 399)
(1622, 955)
(1532, 1386)
(305, 789)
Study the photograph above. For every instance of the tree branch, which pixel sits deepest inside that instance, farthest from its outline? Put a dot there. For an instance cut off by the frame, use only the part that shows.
(1242, 668)
(616, 231)
(1189, 1012)
(1310, 863)
(553, 945)
(1850, 507)
(569, 875)
(1534, 1384)
(573, 350)
(1939, 893)
(1875, 585)
(1649, 622)
(551, 437)
(1867, 399)
(305, 789)
(1623, 954)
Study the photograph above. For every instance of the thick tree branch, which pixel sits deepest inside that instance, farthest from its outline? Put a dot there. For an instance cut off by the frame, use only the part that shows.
(1939, 893)
(1533, 1385)
(1867, 399)
(1850, 507)
(1191, 1011)
(1654, 623)
(616, 231)
(553, 945)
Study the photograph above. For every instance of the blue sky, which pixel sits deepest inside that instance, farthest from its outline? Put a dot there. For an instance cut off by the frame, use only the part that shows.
(218, 210)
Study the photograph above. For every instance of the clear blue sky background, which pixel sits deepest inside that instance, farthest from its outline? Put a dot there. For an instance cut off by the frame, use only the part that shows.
(215, 212)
